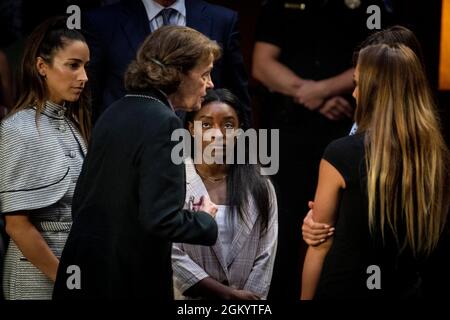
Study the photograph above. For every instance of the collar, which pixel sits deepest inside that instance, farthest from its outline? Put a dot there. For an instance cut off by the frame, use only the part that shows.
(54, 110)
(155, 93)
(167, 99)
(153, 8)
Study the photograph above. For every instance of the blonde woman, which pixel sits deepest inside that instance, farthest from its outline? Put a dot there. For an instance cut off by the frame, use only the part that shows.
(384, 188)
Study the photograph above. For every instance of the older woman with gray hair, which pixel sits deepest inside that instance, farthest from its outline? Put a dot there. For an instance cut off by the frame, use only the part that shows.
(128, 204)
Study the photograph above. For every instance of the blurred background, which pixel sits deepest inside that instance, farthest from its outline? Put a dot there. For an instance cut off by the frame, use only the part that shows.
(428, 20)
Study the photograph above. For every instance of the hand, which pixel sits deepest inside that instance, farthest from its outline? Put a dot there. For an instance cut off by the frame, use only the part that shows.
(205, 205)
(336, 108)
(243, 295)
(315, 233)
(311, 94)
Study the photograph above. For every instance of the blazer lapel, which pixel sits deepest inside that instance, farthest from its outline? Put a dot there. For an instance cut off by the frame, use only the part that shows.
(243, 231)
(134, 22)
(217, 248)
(196, 188)
(196, 17)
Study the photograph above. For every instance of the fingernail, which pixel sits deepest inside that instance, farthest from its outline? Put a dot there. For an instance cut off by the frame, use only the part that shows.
(322, 240)
(326, 226)
(332, 229)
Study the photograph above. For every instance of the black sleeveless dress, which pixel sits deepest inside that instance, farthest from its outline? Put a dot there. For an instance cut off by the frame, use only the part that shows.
(359, 265)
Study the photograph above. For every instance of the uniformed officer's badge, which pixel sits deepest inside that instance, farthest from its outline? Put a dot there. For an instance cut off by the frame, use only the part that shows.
(297, 6)
(352, 4)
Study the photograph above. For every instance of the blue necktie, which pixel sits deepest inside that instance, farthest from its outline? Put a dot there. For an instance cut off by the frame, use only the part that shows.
(167, 14)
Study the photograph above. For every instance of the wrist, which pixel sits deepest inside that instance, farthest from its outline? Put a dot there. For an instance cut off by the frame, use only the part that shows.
(293, 88)
(230, 294)
(325, 88)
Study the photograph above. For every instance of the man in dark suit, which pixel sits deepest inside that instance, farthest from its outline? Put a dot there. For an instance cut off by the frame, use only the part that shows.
(115, 32)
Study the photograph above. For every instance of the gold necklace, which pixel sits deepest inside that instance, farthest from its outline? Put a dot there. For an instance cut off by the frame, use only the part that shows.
(211, 179)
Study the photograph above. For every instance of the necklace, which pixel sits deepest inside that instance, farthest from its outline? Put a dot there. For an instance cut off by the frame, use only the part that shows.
(152, 98)
(211, 179)
(144, 96)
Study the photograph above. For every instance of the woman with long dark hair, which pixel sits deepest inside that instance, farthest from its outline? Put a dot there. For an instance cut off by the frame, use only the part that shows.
(239, 265)
(42, 147)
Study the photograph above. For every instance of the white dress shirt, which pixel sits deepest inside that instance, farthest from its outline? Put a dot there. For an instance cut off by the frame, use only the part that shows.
(226, 225)
(156, 21)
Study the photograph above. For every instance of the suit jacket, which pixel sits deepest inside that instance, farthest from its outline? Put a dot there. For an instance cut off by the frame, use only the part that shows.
(27, 180)
(127, 207)
(250, 262)
(114, 34)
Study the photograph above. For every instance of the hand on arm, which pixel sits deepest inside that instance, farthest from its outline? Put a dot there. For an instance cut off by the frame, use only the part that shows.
(315, 233)
(32, 244)
(325, 209)
(164, 217)
(205, 205)
(312, 94)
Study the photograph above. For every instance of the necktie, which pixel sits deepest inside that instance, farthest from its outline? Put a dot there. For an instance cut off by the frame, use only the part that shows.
(388, 6)
(167, 14)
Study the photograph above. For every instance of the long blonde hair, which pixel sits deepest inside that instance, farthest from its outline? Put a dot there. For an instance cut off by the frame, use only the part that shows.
(406, 155)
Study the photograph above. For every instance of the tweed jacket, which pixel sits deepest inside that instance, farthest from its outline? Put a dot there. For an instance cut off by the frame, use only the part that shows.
(39, 168)
(36, 167)
(250, 262)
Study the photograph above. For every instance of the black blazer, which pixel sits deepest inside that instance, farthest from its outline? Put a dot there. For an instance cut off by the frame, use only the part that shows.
(127, 207)
(114, 34)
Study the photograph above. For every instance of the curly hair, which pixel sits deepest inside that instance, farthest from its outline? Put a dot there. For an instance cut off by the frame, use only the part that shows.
(165, 55)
